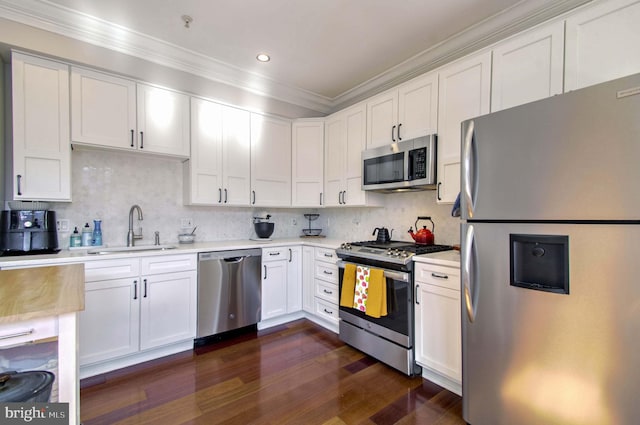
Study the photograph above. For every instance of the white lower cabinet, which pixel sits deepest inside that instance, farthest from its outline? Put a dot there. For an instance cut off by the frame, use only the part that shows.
(308, 280)
(135, 305)
(438, 342)
(281, 281)
(325, 288)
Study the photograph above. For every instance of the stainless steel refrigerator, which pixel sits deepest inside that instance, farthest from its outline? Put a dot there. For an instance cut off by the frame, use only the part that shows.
(550, 235)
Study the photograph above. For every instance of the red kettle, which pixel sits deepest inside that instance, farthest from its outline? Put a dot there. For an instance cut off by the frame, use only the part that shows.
(423, 236)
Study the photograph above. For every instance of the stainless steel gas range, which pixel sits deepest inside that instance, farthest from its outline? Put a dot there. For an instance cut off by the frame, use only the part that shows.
(390, 338)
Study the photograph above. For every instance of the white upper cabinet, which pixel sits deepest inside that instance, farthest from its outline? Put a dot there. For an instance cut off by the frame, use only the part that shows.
(345, 140)
(307, 166)
(403, 113)
(218, 172)
(163, 121)
(528, 67)
(464, 88)
(602, 43)
(270, 161)
(103, 109)
(41, 144)
(114, 112)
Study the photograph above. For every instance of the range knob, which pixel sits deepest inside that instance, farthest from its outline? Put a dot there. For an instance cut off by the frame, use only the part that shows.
(404, 254)
(345, 246)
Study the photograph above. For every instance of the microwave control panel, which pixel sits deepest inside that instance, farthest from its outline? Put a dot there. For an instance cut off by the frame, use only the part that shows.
(417, 164)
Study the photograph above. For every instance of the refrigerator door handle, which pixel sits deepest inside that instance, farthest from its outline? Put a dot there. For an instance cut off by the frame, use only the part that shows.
(470, 286)
(468, 164)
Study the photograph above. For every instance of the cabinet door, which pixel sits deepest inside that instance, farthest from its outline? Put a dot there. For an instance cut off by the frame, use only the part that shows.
(274, 289)
(110, 322)
(307, 174)
(270, 161)
(464, 89)
(163, 121)
(602, 43)
(355, 141)
(382, 126)
(236, 154)
(167, 308)
(294, 279)
(334, 160)
(41, 144)
(203, 171)
(438, 332)
(418, 107)
(308, 280)
(103, 109)
(528, 67)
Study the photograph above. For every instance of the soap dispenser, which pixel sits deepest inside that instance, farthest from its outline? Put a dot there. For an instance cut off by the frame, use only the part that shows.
(75, 240)
(87, 235)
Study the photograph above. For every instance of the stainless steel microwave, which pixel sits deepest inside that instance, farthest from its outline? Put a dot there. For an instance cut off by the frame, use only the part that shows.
(402, 166)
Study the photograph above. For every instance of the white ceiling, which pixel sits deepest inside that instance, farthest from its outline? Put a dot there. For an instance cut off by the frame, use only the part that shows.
(324, 52)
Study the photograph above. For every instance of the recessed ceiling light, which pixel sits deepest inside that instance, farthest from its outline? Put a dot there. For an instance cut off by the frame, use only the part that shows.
(263, 57)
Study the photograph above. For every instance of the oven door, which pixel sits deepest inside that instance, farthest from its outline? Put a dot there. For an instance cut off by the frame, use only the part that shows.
(397, 325)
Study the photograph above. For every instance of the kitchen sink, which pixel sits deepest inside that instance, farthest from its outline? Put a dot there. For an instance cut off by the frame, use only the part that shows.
(124, 249)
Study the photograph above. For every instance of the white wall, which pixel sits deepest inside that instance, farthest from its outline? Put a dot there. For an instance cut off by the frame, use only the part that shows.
(105, 184)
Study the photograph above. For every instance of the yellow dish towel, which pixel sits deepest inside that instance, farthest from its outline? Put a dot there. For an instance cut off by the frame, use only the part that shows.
(348, 285)
(377, 294)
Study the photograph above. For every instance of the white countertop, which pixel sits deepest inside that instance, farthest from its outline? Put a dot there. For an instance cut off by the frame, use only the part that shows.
(445, 258)
(77, 256)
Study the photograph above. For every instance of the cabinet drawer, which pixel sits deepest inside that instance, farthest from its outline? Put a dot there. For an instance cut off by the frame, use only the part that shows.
(111, 269)
(327, 272)
(28, 330)
(329, 255)
(327, 291)
(273, 254)
(168, 263)
(326, 310)
(445, 277)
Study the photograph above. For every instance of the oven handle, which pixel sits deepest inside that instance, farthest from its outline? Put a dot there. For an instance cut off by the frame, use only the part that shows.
(391, 274)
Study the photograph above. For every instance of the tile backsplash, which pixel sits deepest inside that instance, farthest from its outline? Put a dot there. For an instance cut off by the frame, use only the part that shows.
(105, 184)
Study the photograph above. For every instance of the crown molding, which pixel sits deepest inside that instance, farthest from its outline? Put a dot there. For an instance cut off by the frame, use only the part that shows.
(50, 17)
(520, 17)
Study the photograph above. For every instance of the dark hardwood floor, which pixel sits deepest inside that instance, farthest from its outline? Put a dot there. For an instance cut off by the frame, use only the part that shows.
(297, 373)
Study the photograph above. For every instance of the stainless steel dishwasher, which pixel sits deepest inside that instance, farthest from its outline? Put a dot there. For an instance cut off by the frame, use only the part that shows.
(229, 291)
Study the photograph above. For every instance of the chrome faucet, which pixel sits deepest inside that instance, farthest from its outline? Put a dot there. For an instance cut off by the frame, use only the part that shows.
(130, 235)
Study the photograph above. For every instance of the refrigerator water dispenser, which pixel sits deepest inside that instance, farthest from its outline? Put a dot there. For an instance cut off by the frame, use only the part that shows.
(540, 262)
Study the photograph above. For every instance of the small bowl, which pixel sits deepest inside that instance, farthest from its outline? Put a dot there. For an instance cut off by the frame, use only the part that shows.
(312, 232)
(186, 238)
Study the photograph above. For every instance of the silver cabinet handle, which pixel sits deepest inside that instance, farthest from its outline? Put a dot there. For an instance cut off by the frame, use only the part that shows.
(273, 254)
(265, 272)
(469, 167)
(135, 289)
(470, 294)
(132, 135)
(19, 178)
(326, 272)
(328, 255)
(327, 292)
(440, 276)
(328, 311)
(417, 291)
(145, 288)
(17, 334)
(398, 132)
(344, 197)
(225, 196)
(142, 140)
(320, 198)
(290, 255)
(253, 192)
(219, 195)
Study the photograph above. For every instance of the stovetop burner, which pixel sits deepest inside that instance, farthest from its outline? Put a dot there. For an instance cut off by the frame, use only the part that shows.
(398, 252)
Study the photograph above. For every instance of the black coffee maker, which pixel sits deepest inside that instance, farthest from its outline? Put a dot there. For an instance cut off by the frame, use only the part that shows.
(27, 232)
